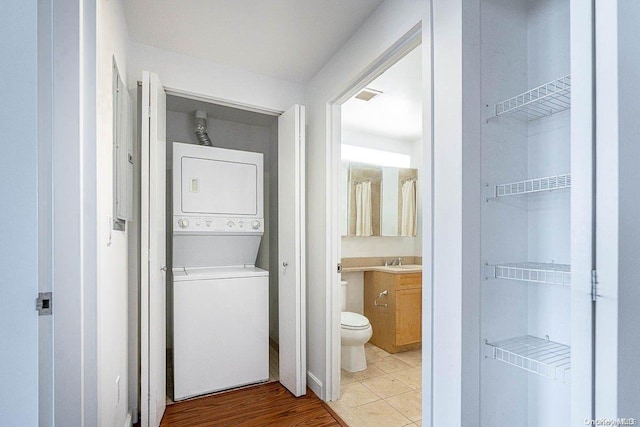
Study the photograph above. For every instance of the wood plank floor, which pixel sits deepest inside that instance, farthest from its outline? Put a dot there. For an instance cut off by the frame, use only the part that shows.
(264, 405)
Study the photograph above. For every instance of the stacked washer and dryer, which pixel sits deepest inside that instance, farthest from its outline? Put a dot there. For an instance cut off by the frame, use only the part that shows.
(220, 299)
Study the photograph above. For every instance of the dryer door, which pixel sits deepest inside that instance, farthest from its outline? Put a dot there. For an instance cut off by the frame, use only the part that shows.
(219, 186)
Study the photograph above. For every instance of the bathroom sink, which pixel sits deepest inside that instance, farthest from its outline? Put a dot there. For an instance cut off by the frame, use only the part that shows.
(402, 268)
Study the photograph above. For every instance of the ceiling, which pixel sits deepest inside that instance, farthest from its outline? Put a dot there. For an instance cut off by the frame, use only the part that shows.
(397, 112)
(287, 39)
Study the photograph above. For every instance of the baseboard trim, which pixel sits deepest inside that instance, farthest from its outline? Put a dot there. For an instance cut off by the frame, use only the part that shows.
(315, 385)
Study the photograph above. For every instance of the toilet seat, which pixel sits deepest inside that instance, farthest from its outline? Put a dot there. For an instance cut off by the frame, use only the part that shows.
(353, 321)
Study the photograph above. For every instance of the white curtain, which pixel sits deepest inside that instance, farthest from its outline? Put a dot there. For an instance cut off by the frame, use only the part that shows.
(363, 209)
(409, 214)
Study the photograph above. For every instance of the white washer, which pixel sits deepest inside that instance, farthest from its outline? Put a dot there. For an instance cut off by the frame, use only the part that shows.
(221, 329)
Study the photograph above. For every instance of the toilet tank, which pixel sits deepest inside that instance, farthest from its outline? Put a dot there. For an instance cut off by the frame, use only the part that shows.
(343, 294)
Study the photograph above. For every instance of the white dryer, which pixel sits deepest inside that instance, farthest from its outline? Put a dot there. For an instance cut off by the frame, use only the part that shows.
(221, 300)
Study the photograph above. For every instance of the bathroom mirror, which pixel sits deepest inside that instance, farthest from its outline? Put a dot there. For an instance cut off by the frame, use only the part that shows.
(378, 200)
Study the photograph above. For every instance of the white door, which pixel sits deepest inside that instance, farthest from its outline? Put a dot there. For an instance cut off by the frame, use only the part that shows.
(153, 268)
(19, 233)
(291, 249)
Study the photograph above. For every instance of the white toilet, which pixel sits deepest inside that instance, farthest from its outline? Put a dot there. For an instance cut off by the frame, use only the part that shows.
(355, 331)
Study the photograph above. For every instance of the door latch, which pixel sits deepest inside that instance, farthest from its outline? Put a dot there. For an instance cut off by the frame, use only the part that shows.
(44, 303)
(339, 267)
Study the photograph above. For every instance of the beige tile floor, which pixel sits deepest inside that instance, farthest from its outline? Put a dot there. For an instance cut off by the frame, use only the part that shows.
(386, 394)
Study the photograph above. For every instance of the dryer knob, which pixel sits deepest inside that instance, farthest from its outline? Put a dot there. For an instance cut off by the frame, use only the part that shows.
(183, 222)
(255, 225)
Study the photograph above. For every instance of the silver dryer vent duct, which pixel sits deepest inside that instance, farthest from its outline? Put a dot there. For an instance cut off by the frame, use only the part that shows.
(201, 128)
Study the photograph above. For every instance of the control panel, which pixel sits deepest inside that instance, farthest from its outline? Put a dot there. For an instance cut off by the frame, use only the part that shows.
(202, 224)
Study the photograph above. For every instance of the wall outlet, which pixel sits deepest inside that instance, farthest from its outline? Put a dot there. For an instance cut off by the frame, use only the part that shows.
(118, 390)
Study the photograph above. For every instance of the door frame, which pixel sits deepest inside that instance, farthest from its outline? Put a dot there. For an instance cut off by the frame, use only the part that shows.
(172, 91)
(583, 210)
(411, 40)
(134, 382)
(74, 179)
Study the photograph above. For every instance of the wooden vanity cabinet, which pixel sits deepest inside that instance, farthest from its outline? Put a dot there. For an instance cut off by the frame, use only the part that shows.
(398, 326)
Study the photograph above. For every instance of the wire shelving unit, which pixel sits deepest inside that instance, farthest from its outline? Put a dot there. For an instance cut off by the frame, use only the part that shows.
(542, 101)
(535, 185)
(544, 273)
(537, 355)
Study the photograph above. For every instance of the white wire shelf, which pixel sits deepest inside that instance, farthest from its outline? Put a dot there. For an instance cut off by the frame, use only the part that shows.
(536, 185)
(545, 273)
(537, 355)
(539, 102)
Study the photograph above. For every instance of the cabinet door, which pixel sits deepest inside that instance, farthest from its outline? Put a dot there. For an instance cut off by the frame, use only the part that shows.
(408, 316)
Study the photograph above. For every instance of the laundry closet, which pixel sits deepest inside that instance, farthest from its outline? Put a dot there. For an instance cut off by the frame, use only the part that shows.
(221, 247)
(250, 238)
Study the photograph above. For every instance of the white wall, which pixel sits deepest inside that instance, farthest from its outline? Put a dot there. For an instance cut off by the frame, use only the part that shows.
(355, 291)
(629, 155)
(618, 207)
(207, 79)
(383, 28)
(548, 215)
(377, 246)
(45, 220)
(504, 224)
(456, 216)
(112, 245)
(377, 142)
(19, 188)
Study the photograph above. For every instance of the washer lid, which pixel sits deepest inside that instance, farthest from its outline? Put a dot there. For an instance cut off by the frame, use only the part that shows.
(351, 320)
(181, 274)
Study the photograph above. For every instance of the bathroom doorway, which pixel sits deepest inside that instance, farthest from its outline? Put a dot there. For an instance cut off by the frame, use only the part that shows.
(376, 317)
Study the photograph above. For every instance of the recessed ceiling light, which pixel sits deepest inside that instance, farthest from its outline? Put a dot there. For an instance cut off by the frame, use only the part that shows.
(367, 94)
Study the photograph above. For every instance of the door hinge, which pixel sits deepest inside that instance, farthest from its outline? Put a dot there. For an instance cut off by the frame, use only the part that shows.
(594, 285)
(44, 303)
(339, 267)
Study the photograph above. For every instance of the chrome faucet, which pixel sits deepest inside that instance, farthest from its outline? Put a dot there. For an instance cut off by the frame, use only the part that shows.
(397, 261)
